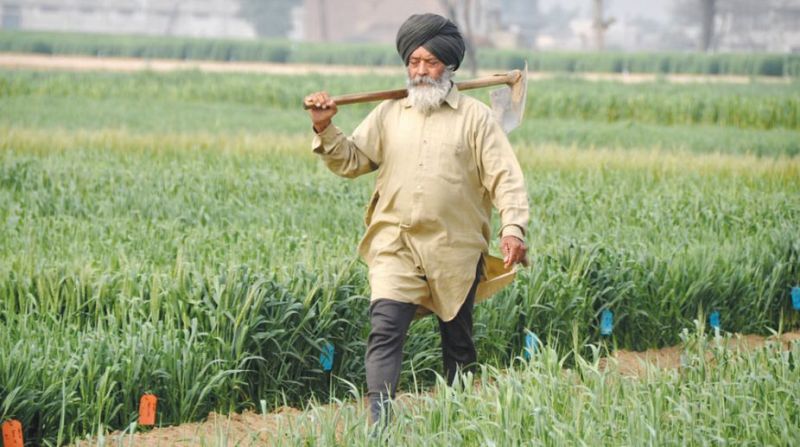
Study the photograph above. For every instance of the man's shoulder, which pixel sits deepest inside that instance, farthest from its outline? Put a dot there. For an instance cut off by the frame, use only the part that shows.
(380, 112)
(390, 103)
(474, 109)
(386, 106)
(474, 106)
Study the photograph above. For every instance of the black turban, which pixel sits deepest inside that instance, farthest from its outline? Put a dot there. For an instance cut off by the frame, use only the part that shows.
(437, 34)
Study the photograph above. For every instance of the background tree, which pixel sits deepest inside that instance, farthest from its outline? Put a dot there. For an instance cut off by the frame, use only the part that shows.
(744, 25)
(696, 14)
(460, 12)
(708, 13)
(600, 25)
(270, 18)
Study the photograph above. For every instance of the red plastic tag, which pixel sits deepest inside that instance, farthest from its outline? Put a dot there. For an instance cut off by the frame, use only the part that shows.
(147, 409)
(12, 433)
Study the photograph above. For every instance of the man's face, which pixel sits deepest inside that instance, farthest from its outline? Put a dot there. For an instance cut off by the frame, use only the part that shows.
(423, 63)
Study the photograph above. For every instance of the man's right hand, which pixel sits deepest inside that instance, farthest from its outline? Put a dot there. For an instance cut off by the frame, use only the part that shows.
(321, 108)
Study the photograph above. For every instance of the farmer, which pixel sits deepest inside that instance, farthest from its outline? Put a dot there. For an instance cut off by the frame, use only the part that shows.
(442, 162)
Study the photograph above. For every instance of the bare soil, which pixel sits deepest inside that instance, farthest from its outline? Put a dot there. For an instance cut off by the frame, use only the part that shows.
(120, 64)
(250, 428)
(635, 364)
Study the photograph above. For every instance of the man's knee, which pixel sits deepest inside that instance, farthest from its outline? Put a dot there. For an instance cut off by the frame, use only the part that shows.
(390, 315)
(461, 351)
(381, 336)
(389, 321)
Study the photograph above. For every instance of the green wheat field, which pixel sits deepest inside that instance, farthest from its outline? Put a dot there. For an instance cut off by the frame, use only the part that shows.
(174, 234)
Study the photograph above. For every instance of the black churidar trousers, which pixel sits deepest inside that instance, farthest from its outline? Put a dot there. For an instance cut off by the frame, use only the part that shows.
(389, 322)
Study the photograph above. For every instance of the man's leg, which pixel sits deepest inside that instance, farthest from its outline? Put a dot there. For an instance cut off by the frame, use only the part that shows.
(458, 349)
(389, 322)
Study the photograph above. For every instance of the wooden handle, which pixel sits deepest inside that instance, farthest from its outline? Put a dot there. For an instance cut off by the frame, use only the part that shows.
(355, 98)
(497, 79)
(505, 78)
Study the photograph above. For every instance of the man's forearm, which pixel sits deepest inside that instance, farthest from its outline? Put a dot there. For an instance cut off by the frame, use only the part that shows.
(340, 154)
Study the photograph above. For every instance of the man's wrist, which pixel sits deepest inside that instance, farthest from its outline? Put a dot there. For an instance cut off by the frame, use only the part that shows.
(321, 126)
(513, 230)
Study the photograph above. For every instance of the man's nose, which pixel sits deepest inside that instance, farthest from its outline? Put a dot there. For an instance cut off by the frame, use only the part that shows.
(422, 69)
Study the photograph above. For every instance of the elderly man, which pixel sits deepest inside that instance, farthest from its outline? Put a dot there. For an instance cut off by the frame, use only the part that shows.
(442, 161)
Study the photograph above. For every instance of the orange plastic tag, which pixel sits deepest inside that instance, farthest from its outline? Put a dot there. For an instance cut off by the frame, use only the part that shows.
(147, 409)
(12, 433)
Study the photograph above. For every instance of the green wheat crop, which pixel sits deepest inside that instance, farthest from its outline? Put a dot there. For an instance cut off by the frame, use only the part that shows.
(174, 234)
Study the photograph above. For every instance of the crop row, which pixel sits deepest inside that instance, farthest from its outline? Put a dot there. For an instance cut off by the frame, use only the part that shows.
(718, 394)
(374, 54)
(757, 106)
(210, 270)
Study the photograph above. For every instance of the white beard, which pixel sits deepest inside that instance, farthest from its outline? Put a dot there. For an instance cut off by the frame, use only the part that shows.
(427, 94)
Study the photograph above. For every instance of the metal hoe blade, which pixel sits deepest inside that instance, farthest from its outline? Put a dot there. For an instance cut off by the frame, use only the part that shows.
(508, 102)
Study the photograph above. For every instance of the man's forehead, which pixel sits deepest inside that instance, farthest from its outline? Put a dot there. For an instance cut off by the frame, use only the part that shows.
(423, 53)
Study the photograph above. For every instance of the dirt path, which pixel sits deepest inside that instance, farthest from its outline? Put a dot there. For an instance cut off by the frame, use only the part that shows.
(257, 429)
(120, 64)
(243, 429)
(635, 364)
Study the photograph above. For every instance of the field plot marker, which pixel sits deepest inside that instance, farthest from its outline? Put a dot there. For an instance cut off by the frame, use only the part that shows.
(606, 322)
(532, 344)
(326, 357)
(12, 433)
(796, 298)
(147, 409)
(714, 322)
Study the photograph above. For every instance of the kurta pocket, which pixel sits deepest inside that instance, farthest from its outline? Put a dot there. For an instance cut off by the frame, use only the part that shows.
(373, 203)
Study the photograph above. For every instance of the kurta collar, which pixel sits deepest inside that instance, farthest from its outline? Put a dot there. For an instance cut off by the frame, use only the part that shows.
(453, 96)
(451, 99)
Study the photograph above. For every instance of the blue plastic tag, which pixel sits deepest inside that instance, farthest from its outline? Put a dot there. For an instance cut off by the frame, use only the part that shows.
(532, 344)
(326, 357)
(796, 298)
(713, 320)
(606, 322)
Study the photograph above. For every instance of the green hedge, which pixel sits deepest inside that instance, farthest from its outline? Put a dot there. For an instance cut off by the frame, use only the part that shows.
(664, 63)
(373, 54)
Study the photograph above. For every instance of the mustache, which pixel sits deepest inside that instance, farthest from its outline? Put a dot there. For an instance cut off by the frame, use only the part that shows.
(422, 80)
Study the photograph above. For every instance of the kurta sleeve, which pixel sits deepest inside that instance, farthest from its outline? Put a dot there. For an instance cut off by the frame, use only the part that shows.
(355, 155)
(502, 177)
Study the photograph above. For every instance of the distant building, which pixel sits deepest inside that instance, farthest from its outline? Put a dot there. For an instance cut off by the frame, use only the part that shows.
(198, 18)
(495, 23)
(360, 20)
(741, 25)
(522, 19)
(755, 27)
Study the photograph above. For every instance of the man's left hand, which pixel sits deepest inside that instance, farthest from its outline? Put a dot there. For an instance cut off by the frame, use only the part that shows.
(514, 251)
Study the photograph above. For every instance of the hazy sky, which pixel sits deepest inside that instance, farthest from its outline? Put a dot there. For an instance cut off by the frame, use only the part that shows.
(620, 9)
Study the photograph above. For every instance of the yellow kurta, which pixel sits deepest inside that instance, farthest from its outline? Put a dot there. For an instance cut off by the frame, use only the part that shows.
(428, 221)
